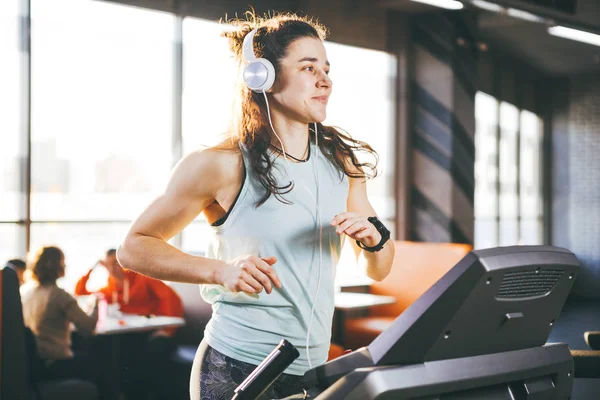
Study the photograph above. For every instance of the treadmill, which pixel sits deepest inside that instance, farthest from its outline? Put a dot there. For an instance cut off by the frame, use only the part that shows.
(480, 332)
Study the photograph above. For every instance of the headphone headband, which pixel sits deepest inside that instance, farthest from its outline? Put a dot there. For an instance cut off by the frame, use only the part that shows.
(248, 46)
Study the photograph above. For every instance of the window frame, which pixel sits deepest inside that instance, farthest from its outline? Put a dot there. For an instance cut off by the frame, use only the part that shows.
(497, 219)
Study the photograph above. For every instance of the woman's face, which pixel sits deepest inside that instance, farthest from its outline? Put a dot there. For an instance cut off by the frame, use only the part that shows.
(302, 87)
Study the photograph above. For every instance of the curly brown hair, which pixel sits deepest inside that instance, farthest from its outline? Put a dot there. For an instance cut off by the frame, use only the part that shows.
(274, 35)
(48, 264)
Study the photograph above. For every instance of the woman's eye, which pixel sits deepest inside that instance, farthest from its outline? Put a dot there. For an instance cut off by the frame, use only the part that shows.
(309, 68)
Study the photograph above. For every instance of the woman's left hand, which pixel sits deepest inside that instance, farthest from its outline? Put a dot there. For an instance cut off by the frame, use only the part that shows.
(357, 227)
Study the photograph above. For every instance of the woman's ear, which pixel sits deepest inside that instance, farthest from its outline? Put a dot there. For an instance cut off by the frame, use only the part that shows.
(274, 87)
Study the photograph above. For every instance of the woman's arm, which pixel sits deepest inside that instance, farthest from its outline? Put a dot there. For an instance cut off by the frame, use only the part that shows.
(80, 288)
(355, 225)
(83, 322)
(191, 189)
(194, 185)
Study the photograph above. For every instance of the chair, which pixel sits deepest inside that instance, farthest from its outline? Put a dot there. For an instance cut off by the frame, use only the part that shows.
(335, 351)
(15, 368)
(586, 365)
(592, 339)
(416, 267)
(587, 362)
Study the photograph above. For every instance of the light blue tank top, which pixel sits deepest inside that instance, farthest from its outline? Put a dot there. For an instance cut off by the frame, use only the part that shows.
(248, 327)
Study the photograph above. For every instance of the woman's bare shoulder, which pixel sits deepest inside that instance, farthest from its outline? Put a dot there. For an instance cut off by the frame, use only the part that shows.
(218, 158)
(210, 166)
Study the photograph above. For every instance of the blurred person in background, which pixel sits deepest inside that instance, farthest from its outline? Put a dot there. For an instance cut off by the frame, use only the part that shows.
(145, 361)
(19, 266)
(49, 312)
(135, 293)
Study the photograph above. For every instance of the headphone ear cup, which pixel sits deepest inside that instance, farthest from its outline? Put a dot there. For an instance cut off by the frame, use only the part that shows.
(259, 75)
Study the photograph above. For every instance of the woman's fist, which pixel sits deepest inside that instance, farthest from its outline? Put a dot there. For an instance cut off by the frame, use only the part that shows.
(249, 274)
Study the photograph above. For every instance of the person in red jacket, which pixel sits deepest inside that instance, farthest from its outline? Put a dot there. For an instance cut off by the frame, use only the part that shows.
(135, 293)
(145, 362)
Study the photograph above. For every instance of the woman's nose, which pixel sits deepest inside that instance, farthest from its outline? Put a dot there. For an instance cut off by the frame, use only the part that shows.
(325, 80)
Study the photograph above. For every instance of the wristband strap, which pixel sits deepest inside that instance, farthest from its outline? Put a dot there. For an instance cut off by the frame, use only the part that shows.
(383, 231)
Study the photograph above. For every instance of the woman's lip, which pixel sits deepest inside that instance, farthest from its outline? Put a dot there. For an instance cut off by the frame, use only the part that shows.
(322, 99)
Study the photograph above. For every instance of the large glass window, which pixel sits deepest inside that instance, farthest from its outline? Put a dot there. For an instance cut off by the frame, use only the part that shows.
(486, 170)
(509, 201)
(508, 192)
(12, 245)
(11, 150)
(102, 105)
(12, 140)
(101, 109)
(209, 77)
(531, 179)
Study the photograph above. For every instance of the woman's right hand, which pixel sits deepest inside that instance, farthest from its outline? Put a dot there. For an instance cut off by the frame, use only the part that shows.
(249, 274)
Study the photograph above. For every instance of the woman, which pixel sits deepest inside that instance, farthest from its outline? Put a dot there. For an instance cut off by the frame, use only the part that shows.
(280, 197)
(48, 311)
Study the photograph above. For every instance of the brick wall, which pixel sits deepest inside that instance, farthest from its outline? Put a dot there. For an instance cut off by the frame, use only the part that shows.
(584, 181)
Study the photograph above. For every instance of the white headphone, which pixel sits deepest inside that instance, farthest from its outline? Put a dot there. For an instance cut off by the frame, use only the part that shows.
(259, 73)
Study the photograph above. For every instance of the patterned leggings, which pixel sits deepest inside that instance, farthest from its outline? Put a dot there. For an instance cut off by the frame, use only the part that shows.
(215, 377)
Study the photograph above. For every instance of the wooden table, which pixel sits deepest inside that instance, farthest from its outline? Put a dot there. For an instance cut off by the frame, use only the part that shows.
(354, 301)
